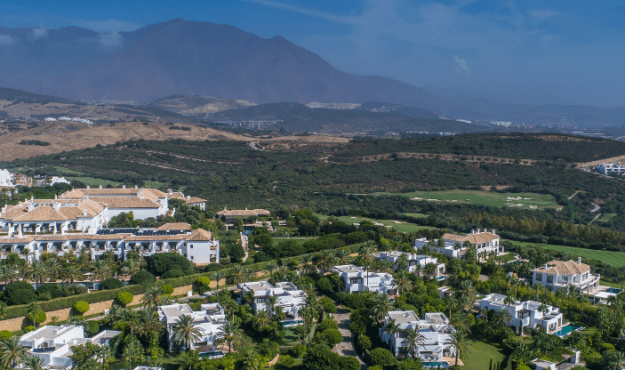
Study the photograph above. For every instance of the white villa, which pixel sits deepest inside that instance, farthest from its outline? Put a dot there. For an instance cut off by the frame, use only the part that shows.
(526, 314)
(198, 246)
(358, 279)
(485, 243)
(413, 260)
(6, 178)
(53, 343)
(611, 168)
(231, 215)
(434, 327)
(191, 201)
(562, 274)
(210, 319)
(289, 297)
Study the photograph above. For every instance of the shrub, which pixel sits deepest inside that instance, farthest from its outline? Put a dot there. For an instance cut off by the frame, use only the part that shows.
(29, 328)
(23, 296)
(52, 290)
(111, 283)
(37, 318)
(143, 277)
(4, 334)
(298, 350)
(411, 364)
(92, 327)
(160, 263)
(328, 324)
(332, 337)
(172, 274)
(381, 357)
(18, 285)
(328, 305)
(124, 298)
(324, 284)
(364, 342)
(349, 363)
(81, 307)
(203, 280)
(167, 289)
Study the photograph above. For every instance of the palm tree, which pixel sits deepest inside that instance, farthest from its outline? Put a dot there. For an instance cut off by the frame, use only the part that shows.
(38, 271)
(326, 260)
(11, 353)
(503, 317)
(452, 303)
(544, 309)
(101, 270)
(251, 361)
(187, 359)
(306, 263)
(261, 319)
(218, 276)
(148, 322)
(54, 268)
(185, 332)
(271, 267)
(237, 273)
(71, 273)
(402, 281)
(8, 274)
(131, 267)
(233, 336)
(613, 359)
(104, 354)
(430, 270)
(403, 262)
(33, 310)
(152, 297)
(342, 256)
(391, 328)
(34, 363)
(271, 302)
(418, 269)
(467, 294)
(381, 306)
(414, 340)
(460, 341)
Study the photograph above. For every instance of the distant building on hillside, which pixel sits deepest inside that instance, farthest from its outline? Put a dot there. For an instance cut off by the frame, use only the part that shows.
(485, 243)
(231, 215)
(557, 275)
(358, 279)
(413, 260)
(288, 295)
(611, 168)
(525, 314)
(191, 201)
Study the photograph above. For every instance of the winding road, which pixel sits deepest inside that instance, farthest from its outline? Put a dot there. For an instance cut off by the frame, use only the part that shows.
(346, 347)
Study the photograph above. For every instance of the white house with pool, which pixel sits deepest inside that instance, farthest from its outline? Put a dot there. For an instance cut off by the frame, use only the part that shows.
(528, 314)
(413, 260)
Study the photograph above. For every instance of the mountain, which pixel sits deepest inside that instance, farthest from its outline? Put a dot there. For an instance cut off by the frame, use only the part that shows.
(206, 59)
(197, 106)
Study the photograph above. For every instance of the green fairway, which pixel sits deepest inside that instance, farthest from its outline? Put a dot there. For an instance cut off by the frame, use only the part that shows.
(401, 226)
(485, 198)
(614, 259)
(92, 181)
(480, 356)
(416, 215)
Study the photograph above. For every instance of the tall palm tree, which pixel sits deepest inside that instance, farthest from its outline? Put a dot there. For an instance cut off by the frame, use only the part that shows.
(152, 297)
(381, 306)
(272, 267)
(391, 328)
(131, 267)
(34, 363)
(251, 361)
(11, 353)
(218, 276)
(8, 274)
(306, 263)
(326, 260)
(402, 281)
(261, 318)
(148, 322)
(233, 336)
(414, 340)
(403, 262)
(613, 359)
(271, 303)
(544, 309)
(101, 270)
(430, 270)
(71, 272)
(185, 332)
(342, 256)
(38, 271)
(460, 341)
(467, 294)
(187, 359)
(237, 273)
(104, 354)
(54, 268)
(503, 317)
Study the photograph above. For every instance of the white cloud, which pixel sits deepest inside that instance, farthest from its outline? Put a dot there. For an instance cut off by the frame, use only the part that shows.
(543, 14)
(6, 40)
(111, 39)
(462, 66)
(37, 33)
(109, 25)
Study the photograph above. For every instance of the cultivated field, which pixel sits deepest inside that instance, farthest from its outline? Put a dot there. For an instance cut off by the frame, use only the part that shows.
(614, 259)
(485, 198)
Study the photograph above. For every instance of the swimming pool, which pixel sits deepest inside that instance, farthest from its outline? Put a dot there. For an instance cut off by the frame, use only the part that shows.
(211, 355)
(566, 330)
(443, 364)
(614, 291)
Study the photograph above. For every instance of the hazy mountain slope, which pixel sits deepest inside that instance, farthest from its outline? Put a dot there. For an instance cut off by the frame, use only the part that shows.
(196, 105)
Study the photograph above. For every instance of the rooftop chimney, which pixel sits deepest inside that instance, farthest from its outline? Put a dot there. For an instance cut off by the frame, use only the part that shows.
(84, 212)
(136, 186)
(492, 231)
(170, 191)
(99, 186)
(579, 260)
(123, 186)
(472, 232)
(56, 206)
(88, 187)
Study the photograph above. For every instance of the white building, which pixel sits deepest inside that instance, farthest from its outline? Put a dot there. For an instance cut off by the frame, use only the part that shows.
(541, 364)
(358, 279)
(53, 343)
(435, 328)
(289, 297)
(484, 242)
(563, 274)
(210, 320)
(58, 180)
(413, 260)
(526, 314)
(6, 178)
(611, 168)
(191, 201)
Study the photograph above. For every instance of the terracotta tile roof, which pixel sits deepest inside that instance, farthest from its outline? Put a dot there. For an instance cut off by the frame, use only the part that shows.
(58, 237)
(41, 213)
(473, 238)
(189, 200)
(14, 240)
(126, 202)
(156, 238)
(244, 212)
(175, 226)
(563, 268)
(200, 235)
(112, 192)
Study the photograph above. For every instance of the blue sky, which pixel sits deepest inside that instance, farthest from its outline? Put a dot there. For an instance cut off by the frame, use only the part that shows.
(522, 51)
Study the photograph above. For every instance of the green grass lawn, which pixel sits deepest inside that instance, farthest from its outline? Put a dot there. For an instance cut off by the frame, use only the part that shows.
(614, 259)
(480, 355)
(416, 215)
(401, 226)
(154, 184)
(299, 241)
(485, 198)
(92, 181)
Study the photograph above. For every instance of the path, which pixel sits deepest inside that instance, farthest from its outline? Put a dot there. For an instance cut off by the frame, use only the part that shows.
(346, 347)
(596, 208)
(574, 194)
(254, 145)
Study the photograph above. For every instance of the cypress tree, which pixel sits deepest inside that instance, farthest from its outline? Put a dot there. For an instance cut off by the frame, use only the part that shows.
(490, 366)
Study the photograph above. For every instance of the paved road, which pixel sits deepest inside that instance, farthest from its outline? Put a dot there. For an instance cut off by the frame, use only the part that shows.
(346, 347)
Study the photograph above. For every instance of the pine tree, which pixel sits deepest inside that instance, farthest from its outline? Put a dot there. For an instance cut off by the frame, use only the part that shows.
(490, 366)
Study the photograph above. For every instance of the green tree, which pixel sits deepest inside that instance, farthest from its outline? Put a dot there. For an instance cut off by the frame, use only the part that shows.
(11, 353)
(185, 332)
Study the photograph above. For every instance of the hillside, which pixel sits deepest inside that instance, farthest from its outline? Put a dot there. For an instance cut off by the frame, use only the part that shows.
(197, 106)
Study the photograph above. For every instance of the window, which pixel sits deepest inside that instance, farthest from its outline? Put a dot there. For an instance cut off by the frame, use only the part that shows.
(539, 277)
(191, 246)
(550, 279)
(191, 257)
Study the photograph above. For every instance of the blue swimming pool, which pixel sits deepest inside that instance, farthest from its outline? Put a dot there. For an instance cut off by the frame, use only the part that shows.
(211, 355)
(443, 364)
(566, 330)
(614, 290)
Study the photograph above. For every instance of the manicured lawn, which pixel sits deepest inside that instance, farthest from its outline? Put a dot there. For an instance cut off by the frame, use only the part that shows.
(614, 259)
(92, 181)
(486, 198)
(480, 355)
(401, 226)
(416, 215)
(299, 241)
(154, 184)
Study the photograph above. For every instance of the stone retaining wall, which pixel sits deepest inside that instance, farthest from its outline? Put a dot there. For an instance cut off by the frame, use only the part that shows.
(19, 323)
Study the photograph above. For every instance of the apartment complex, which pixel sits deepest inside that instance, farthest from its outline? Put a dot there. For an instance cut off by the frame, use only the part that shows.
(210, 320)
(357, 279)
(611, 168)
(231, 215)
(413, 260)
(288, 296)
(485, 242)
(435, 329)
(53, 343)
(528, 314)
(557, 275)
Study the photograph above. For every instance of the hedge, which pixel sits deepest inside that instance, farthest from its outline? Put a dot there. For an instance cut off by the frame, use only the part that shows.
(110, 295)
